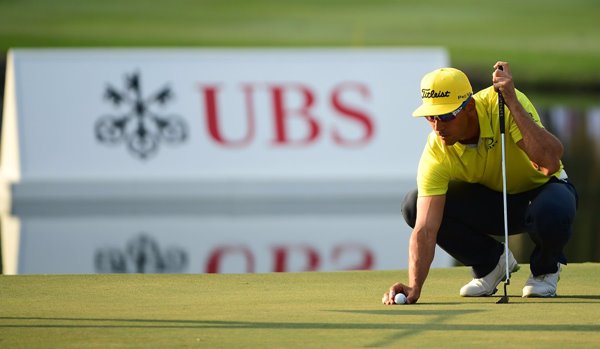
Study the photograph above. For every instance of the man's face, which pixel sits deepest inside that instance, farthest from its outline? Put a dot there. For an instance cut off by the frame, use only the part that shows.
(451, 131)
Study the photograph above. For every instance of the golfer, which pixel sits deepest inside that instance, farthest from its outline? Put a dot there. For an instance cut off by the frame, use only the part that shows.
(458, 203)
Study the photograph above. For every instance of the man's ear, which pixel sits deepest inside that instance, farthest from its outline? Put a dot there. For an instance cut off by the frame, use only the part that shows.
(471, 109)
(471, 104)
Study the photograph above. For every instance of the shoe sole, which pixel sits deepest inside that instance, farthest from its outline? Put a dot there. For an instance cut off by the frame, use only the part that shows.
(539, 296)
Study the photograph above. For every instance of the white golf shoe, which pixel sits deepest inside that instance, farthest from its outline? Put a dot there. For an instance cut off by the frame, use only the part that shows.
(486, 286)
(542, 285)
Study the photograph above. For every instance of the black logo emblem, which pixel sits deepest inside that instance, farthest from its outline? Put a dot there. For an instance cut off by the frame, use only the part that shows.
(490, 143)
(141, 255)
(139, 125)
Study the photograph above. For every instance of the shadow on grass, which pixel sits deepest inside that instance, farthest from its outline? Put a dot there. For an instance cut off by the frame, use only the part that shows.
(559, 299)
(587, 297)
(73, 322)
(437, 322)
(408, 311)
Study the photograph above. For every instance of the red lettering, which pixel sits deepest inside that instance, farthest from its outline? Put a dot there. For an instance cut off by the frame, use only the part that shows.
(294, 123)
(364, 252)
(212, 116)
(282, 113)
(351, 113)
(214, 261)
(281, 256)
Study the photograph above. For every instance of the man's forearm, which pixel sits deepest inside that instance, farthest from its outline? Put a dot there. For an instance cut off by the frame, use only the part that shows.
(421, 253)
(542, 147)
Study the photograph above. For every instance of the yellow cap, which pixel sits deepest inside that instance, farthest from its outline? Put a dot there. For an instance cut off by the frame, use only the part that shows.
(443, 91)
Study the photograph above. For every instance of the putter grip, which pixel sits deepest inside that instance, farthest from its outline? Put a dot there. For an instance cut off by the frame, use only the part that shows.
(501, 109)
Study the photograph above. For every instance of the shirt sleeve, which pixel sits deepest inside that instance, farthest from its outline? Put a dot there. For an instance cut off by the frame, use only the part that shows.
(433, 174)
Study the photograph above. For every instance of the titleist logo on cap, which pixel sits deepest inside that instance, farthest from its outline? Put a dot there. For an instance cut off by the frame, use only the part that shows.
(429, 93)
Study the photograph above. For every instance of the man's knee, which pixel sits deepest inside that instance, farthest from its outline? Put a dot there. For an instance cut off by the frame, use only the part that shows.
(551, 220)
(409, 208)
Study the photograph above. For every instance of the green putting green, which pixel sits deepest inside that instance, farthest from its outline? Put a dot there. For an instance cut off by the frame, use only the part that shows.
(291, 310)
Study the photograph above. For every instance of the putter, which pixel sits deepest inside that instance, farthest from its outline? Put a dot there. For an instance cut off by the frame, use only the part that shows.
(504, 299)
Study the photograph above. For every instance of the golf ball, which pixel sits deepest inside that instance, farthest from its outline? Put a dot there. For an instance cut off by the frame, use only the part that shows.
(400, 298)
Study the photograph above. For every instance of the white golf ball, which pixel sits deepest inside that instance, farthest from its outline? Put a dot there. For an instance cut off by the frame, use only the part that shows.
(400, 298)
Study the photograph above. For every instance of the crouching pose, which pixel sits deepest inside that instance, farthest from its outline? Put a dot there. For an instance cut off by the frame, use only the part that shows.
(458, 203)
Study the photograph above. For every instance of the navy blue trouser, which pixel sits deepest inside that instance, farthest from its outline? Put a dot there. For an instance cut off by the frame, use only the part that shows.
(473, 213)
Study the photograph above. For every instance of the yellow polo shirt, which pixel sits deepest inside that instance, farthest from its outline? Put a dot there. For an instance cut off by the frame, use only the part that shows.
(481, 163)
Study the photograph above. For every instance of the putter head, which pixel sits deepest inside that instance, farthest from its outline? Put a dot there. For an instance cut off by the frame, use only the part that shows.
(504, 299)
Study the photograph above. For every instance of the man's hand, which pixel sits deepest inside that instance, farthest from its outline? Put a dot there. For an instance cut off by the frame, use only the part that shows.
(412, 295)
(503, 82)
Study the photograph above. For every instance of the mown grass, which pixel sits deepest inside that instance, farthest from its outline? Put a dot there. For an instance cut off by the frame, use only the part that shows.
(295, 310)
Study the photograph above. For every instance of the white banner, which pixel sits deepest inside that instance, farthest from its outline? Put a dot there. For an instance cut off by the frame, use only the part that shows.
(215, 244)
(210, 160)
(217, 113)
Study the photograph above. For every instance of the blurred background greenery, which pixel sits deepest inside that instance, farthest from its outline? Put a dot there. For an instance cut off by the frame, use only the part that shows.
(552, 46)
(548, 42)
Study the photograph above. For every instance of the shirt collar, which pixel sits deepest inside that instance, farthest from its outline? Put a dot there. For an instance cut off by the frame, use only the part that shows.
(485, 132)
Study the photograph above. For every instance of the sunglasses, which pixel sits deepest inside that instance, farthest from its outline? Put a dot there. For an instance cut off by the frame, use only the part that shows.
(450, 116)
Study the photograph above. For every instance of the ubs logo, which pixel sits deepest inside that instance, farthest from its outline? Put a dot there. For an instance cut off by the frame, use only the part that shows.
(138, 120)
(141, 254)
